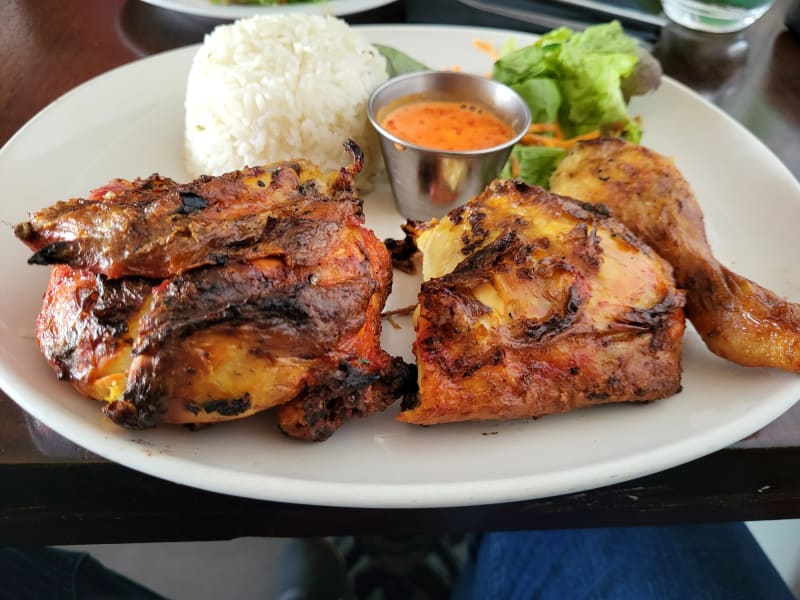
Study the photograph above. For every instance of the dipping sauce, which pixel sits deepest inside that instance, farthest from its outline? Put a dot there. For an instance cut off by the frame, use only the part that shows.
(447, 125)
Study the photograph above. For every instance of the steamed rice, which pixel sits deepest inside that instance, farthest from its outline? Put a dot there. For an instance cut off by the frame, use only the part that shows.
(276, 87)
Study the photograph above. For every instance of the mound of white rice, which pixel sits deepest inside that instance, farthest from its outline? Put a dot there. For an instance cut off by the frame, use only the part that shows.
(278, 87)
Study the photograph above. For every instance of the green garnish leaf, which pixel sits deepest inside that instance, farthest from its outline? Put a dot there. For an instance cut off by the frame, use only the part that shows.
(399, 63)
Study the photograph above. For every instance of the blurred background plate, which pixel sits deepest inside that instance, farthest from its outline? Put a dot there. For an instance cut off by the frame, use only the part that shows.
(206, 8)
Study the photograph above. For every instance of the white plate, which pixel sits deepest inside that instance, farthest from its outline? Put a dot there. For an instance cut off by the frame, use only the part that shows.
(108, 128)
(206, 8)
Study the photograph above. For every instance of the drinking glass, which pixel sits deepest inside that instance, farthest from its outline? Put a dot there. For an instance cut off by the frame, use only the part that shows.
(717, 16)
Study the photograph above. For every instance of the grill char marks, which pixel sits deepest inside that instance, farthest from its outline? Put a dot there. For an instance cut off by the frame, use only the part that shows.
(156, 227)
(542, 305)
(86, 318)
(264, 289)
(289, 307)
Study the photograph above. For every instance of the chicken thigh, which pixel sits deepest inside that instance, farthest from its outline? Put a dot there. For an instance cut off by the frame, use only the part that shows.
(534, 304)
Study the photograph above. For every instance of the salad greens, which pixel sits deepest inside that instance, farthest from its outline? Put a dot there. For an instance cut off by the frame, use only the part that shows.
(574, 78)
(533, 164)
(577, 83)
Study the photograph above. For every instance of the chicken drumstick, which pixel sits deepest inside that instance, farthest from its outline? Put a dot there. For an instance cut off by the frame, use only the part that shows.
(738, 319)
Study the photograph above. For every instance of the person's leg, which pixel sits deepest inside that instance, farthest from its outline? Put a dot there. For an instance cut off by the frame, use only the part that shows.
(710, 562)
(42, 572)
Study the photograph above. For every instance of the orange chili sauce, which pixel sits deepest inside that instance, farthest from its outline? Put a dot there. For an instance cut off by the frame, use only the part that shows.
(447, 125)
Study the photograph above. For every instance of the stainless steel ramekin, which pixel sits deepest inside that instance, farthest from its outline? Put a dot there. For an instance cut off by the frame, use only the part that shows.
(428, 183)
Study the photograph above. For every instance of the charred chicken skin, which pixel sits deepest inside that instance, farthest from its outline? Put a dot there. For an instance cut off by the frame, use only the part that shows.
(157, 228)
(738, 319)
(533, 304)
(211, 301)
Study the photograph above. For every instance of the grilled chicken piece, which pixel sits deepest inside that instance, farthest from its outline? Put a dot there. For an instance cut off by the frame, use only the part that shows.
(738, 319)
(534, 304)
(157, 228)
(297, 326)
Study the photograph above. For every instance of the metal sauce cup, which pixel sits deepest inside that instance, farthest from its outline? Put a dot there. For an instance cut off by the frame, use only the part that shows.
(428, 183)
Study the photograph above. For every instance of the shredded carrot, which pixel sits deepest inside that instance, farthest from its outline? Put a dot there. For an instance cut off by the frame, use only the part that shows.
(487, 47)
(586, 136)
(553, 128)
(534, 137)
(515, 168)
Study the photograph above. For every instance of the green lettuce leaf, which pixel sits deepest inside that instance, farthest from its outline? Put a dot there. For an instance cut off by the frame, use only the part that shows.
(587, 68)
(632, 132)
(536, 163)
(573, 79)
(543, 97)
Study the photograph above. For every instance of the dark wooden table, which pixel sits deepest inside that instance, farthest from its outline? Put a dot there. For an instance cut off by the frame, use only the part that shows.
(62, 494)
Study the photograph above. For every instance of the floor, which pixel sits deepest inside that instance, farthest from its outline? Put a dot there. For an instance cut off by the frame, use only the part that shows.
(245, 568)
(781, 542)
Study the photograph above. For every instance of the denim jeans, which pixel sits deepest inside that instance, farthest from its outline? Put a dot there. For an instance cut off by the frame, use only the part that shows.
(30, 573)
(693, 562)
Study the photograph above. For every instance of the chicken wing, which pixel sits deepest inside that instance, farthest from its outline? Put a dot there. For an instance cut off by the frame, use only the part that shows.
(738, 319)
(534, 304)
(156, 227)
